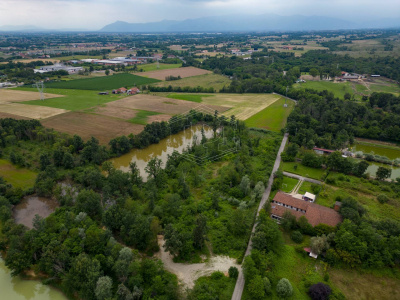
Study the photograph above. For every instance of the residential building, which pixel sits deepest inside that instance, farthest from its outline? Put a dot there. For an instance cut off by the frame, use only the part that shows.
(314, 213)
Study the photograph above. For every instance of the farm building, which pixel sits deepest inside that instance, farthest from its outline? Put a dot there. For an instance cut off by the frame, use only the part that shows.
(59, 67)
(308, 197)
(314, 213)
(121, 90)
(322, 151)
(133, 91)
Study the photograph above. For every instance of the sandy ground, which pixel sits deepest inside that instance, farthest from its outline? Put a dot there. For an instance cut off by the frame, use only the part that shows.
(86, 125)
(183, 72)
(11, 95)
(30, 111)
(188, 273)
(161, 104)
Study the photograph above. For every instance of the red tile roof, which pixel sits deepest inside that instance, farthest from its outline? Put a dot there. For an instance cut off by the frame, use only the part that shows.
(315, 214)
(324, 150)
(289, 200)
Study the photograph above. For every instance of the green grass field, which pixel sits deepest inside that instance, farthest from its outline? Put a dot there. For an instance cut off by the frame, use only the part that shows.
(338, 89)
(103, 83)
(207, 80)
(288, 184)
(302, 170)
(305, 187)
(153, 67)
(18, 177)
(142, 116)
(188, 97)
(273, 117)
(74, 99)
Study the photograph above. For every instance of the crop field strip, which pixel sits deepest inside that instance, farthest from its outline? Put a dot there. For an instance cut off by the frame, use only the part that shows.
(103, 83)
(102, 127)
(183, 72)
(160, 104)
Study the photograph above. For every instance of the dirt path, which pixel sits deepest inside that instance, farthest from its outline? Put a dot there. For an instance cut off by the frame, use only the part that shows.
(188, 273)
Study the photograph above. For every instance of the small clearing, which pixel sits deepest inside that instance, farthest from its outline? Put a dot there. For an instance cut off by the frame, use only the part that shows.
(188, 273)
(183, 72)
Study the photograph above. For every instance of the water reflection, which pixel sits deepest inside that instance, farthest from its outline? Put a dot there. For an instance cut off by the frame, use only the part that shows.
(26, 210)
(165, 147)
(15, 288)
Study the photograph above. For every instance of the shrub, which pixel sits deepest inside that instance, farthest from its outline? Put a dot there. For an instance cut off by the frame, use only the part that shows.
(267, 285)
(319, 291)
(383, 198)
(297, 237)
(233, 272)
(284, 289)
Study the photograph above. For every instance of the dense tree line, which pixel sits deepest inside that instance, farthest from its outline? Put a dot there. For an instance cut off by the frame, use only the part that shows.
(328, 122)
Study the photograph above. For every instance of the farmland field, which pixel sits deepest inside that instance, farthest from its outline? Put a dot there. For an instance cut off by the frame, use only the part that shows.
(153, 67)
(161, 104)
(28, 111)
(142, 117)
(14, 95)
(188, 97)
(86, 125)
(183, 72)
(358, 89)
(103, 83)
(75, 99)
(18, 177)
(273, 117)
(207, 80)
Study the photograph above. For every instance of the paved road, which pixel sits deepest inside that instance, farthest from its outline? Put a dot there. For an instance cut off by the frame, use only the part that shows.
(237, 293)
(302, 178)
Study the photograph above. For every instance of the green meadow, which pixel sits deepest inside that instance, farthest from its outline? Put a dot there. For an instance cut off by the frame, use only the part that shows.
(103, 83)
(18, 177)
(272, 117)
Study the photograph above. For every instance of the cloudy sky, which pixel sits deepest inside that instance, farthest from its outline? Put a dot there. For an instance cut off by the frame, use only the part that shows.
(94, 14)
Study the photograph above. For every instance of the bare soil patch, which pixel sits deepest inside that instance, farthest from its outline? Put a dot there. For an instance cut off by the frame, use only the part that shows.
(6, 115)
(162, 105)
(188, 273)
(183, 72)
(11, 95)
(158, 118)
(114, 111)
(30, 111)
(87, 125)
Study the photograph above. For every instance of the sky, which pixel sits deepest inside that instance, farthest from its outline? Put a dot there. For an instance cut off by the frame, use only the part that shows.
(94, 14)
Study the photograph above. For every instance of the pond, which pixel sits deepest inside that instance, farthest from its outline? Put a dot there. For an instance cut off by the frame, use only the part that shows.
(373, 167)
(26, 210)
(16, 288)
(391, 153)
(177, 142)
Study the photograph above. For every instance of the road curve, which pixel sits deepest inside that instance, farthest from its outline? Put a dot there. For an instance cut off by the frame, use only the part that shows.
(237, 293)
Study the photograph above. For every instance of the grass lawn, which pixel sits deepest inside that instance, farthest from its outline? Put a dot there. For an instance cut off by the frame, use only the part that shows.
(302, 170)
(273, 117)
(18, 177)
(288, 184)
(207, 80)
(142, 116)
(103, 83)
(305, 187)
(153, 67)
(74, 99)
(339, 89)
(188, 97)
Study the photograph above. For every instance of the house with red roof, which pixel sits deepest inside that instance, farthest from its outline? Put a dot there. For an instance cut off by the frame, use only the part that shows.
(314, 213)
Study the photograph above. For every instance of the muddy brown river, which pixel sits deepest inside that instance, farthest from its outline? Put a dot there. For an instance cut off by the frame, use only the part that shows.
(178, 142)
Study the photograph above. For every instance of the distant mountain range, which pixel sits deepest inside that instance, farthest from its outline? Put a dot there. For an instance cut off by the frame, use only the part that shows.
(231, 23)
(238, 23)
